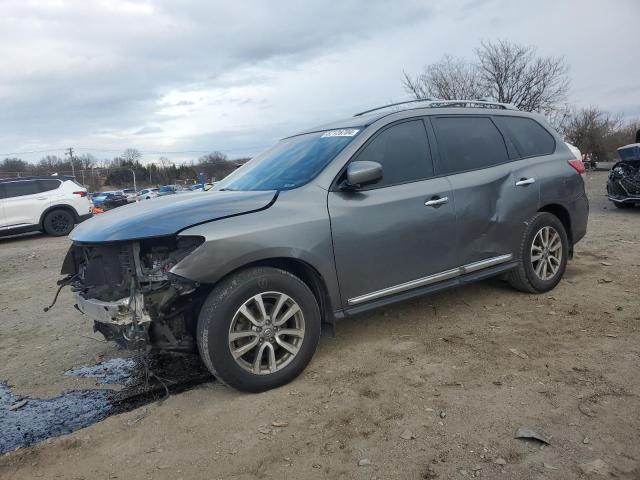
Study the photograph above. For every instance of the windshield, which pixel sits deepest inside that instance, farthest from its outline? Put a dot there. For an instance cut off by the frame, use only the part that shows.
(291, 163)
(166, 189)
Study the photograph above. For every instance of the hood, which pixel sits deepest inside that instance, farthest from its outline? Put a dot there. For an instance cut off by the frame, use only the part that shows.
(168, 215)
(630, 153)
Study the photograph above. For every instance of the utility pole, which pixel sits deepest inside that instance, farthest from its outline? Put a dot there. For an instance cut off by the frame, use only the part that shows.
(70, 153)
(135, 187)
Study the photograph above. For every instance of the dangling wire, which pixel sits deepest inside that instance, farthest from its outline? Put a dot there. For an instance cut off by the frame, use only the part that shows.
(62, 283)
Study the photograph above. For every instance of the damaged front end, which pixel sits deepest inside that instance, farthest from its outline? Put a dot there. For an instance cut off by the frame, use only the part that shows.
(127, 289)
(623, 186)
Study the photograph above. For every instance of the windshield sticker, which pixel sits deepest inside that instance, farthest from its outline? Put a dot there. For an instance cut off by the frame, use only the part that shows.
(343, 132)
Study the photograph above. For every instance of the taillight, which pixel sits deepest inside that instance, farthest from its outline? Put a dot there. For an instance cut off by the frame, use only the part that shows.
(578, 166)
(82, 194)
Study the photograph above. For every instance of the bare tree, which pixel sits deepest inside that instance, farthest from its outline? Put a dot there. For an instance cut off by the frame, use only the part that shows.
(597, 132)
(514, 74)
(448, 79)
(504, 72)
(87, 161)
(131, 155)
(215, 165)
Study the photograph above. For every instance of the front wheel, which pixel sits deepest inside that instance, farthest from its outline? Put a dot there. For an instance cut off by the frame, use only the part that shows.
(258, 329)
(543, 255)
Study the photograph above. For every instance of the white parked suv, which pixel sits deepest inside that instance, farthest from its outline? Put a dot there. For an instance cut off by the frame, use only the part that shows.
(53, 204)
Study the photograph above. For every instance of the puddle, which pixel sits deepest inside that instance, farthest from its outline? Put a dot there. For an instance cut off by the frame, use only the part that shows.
(38, 419)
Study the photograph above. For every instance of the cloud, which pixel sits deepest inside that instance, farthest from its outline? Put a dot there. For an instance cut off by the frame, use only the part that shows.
(147, 130)
(198, 75)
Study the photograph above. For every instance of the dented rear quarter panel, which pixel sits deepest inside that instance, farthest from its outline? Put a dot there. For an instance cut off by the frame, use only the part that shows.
(561, 185)
(491, 210)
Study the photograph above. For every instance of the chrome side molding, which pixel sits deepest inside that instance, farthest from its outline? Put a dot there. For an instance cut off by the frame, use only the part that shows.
(436, 277)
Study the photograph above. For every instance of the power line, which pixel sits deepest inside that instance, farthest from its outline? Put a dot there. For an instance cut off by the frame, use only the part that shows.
(61, 149)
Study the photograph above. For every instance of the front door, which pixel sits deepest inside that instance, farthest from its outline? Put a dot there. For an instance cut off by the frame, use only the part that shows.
(398, 234)
(24, 202)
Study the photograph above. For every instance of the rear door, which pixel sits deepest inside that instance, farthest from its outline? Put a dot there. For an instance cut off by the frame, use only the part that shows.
(24, 202)
(494, 192)
(386, 240)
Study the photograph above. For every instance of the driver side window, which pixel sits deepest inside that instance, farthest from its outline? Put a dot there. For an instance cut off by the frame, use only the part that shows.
(403, 151)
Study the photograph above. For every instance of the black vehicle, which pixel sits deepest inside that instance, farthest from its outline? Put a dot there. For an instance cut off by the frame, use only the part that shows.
(114, 200)
(623, 186)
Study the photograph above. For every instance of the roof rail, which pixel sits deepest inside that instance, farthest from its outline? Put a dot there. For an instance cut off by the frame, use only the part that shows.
(436, 103)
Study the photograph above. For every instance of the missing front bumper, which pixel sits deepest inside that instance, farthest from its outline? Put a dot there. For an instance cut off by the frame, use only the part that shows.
(122, 312)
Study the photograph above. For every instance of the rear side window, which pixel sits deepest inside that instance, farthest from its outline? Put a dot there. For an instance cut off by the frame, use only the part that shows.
(21, 188)
(46, 185)
(403, 152)
(530, 137)
(468, 143)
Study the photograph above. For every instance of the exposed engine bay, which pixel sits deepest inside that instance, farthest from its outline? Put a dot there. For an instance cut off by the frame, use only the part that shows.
(129, 292)
(623, 187)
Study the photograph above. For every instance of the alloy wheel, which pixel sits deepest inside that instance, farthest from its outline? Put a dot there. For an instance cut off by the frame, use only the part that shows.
(266, 333)
(546, 253)
(60, 222)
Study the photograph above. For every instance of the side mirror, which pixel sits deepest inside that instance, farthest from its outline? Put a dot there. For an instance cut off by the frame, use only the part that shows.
(362, 173)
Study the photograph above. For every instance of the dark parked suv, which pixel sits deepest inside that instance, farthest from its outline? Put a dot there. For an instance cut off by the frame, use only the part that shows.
(382, 207)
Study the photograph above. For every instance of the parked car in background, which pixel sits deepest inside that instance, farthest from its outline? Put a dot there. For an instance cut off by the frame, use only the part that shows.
(147, 193)
(167, 190)
(98, 197)
(107, 200)
(130, 193)
(337, 220)
(198, 187)
(53, 204)
(114, 200)
(575, 150)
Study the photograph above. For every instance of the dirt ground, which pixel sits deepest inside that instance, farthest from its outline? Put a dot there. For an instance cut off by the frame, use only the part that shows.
(432, 388)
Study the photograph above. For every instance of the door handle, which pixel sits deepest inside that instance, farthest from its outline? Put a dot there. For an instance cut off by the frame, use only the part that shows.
(41, 198)
(436, 201)
(523, 182)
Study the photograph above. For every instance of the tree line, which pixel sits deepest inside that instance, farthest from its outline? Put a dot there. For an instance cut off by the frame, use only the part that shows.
(507, 72)
(118, 172)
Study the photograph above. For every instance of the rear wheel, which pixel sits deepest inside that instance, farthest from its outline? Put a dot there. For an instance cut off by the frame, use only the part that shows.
(58, 223)
(543, 255)
(258, 329)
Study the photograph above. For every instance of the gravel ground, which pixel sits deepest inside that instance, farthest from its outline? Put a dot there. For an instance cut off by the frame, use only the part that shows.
(432, 388)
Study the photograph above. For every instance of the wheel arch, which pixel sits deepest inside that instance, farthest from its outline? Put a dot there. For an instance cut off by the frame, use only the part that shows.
(305, 272)
(51, 208)
(563, 215)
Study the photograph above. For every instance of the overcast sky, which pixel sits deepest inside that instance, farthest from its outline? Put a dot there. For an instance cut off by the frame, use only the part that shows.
(196, 76)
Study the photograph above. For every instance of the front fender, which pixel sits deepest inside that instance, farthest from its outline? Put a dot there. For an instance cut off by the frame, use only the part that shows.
(291, 229)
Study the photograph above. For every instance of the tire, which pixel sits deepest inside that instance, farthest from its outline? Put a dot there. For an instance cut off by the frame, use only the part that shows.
(524, 277)
(58, 223)
(223, 313)
(623, 205)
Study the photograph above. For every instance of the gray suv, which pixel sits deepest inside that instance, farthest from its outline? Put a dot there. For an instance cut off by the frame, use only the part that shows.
(390, 204)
